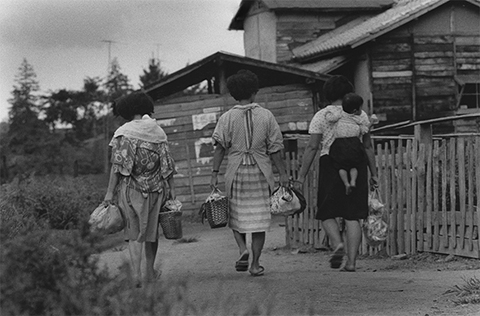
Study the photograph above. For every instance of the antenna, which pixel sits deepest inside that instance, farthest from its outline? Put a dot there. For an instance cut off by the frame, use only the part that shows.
(109, 51)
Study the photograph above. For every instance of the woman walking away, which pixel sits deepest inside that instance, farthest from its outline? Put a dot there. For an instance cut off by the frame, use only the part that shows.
(332, 199)
(347, 150)
(142, 176)
(252, 136)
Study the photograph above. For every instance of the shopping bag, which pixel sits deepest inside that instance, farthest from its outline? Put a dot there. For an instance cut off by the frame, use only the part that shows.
(215, 209)
(106, 218)
(375, 227)
(287, 201)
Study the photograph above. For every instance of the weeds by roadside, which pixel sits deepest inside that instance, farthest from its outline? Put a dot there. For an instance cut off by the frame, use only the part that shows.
(467, 293)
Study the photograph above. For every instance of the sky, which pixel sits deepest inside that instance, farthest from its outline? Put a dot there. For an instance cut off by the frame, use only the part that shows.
(67, 41)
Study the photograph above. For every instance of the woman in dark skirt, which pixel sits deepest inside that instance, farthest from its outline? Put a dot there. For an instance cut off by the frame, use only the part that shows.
(333, 200)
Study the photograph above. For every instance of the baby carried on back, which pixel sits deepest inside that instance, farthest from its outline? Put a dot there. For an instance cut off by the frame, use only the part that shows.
(347, 151)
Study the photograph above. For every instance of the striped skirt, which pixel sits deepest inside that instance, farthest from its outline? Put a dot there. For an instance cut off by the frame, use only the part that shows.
(250, 201)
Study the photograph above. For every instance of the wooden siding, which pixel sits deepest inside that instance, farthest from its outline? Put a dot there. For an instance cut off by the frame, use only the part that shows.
(421, 70)
(391, 66)
(189, 123)
(297, 29)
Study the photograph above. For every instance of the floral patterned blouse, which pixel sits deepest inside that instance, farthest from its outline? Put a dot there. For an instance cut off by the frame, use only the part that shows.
(143, 164)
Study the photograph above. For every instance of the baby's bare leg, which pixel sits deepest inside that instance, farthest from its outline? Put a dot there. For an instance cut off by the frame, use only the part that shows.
(344, 176)
(353, 177)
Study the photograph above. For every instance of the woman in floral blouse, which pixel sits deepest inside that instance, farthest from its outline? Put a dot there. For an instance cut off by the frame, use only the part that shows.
(142, 176)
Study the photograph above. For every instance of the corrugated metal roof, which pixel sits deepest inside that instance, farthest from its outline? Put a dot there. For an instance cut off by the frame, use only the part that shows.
(402, 12)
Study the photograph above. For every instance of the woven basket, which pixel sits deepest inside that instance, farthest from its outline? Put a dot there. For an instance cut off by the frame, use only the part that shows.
(216, 212)
(171, 223)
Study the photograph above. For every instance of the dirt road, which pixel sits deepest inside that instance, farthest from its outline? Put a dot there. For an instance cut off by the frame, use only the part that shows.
(298, 283)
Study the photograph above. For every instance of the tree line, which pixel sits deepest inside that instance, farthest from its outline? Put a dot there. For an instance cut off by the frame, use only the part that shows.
(58, 132)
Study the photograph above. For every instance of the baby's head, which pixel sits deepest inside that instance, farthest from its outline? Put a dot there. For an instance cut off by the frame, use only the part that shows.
(352, 103)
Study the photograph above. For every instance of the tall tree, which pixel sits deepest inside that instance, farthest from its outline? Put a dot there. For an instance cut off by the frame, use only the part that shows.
(153, 74)
(26, 129)
(31, 146)
(117, 84)
(80, 109)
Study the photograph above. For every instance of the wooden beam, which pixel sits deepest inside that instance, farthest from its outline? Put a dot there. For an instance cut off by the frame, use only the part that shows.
(423, 133)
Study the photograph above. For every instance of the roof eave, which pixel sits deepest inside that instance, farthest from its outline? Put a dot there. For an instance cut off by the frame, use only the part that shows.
(321, 55)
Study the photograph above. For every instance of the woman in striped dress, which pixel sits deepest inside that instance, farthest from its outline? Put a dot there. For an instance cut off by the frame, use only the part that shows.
(252, 136)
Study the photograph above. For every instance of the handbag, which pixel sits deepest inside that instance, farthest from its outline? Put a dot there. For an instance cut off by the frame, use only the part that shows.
(215, 209)
(170, 218)
(287, 201)
(375, 228)
(106, 218)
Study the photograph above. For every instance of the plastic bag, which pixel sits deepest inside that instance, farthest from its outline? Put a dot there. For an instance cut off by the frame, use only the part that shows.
(375, 228)
(171, 206)
(287, 201)
(106, 218)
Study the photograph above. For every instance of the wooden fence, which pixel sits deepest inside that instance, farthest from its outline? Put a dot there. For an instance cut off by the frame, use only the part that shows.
(430, 191)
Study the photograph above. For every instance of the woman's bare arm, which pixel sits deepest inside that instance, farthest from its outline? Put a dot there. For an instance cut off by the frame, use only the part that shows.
(280, 164)
(313, 145)
(112, 184)
(218, 155)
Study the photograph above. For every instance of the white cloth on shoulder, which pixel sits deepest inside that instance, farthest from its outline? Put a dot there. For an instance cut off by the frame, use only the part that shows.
(145, 129)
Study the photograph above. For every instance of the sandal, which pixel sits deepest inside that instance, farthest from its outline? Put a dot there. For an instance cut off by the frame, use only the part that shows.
(345, 269)
(260, 272)
(242, 264)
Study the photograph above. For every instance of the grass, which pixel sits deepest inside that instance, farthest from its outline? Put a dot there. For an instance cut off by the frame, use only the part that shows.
(467, 293)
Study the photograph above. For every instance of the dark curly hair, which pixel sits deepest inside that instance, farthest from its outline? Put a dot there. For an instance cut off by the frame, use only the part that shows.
(351, 102)
(136, 103)
(336, 87)
(242, 84)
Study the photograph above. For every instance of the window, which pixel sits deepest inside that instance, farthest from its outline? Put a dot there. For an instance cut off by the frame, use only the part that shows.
(469, 92)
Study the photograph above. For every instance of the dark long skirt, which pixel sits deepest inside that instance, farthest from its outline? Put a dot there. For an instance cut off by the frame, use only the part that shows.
(332, 200)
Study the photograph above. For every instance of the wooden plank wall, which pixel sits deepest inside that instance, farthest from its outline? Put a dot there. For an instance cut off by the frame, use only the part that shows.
(297, 29)
(467, 52)
(189, 123)
(392, 78)
(419, 70)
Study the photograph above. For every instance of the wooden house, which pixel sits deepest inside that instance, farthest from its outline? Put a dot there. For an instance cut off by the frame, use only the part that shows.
(410, 60)
(291, 93)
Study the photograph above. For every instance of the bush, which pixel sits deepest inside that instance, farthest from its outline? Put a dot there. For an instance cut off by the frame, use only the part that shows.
(56, 273)
(55, 202)
(40, 267)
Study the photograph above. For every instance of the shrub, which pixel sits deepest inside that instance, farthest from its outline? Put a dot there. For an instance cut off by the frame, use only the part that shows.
(56, 202)
(38, 268)
(56, 273)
